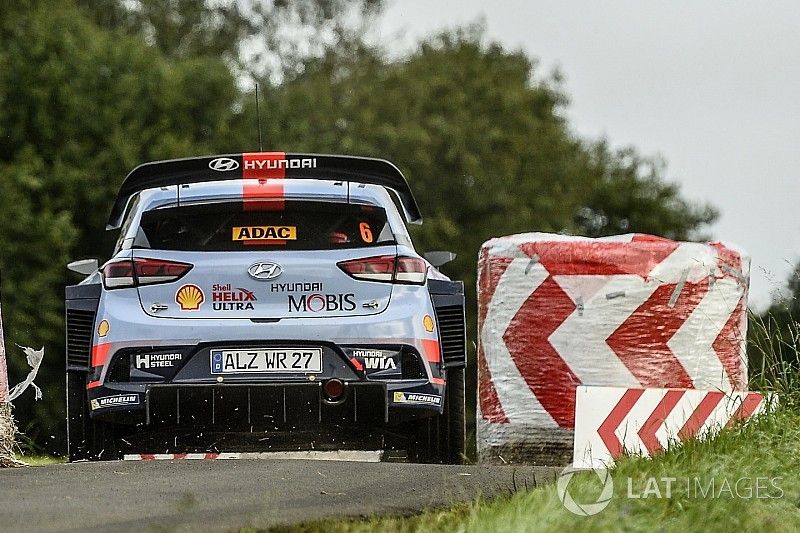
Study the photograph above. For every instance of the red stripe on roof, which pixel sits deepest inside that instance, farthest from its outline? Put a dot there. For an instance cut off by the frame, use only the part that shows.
(266, 194)
(263, 165)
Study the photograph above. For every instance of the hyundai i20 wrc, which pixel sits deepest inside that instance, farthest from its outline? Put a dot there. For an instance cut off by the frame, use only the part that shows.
(265, 302)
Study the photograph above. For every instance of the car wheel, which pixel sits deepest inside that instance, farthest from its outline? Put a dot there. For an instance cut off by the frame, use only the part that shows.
(442, 439)
(78, 421)
(453, 450)
(87, 439)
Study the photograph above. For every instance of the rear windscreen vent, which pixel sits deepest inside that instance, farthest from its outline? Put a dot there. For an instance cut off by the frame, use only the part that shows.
(79, 337)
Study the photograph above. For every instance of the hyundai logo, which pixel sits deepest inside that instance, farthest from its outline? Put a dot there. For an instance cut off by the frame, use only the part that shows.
(223, 164)
(265, 270)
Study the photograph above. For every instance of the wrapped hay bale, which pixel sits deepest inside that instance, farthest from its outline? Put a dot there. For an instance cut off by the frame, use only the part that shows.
(7, 431)
(555, 312)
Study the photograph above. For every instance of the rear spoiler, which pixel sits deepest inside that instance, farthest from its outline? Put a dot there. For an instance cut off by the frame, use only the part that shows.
(264, 165)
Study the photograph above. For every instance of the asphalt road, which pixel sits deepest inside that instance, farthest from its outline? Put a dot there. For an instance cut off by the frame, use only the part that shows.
(224, 495)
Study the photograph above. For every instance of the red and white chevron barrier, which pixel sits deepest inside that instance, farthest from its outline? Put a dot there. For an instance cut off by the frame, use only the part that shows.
(555, 312)
(611, 421)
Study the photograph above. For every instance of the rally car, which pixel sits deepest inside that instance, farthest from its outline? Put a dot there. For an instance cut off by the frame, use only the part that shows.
(265, 302)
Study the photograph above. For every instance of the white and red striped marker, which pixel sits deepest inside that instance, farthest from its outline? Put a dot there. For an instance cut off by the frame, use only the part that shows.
(361, 456)
(612, 421)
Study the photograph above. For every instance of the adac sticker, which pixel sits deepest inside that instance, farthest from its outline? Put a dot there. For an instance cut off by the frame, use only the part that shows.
(265, 233)
(413, 397)
(190, 297)
(114, 401)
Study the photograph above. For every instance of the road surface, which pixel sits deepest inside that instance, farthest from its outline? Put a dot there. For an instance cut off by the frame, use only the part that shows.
(221, 495)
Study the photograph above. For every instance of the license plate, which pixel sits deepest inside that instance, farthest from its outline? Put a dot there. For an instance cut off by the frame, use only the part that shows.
(267, 360)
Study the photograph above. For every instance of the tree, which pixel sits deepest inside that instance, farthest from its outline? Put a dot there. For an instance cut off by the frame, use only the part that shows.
(88, 90)
(483, 139)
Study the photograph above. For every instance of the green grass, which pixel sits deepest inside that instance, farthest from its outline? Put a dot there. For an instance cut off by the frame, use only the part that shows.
(762, 455)
(40, 460)
(762, 450)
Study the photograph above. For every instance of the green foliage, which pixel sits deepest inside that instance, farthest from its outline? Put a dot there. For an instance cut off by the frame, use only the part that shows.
(773, 347)
(80, 105)
(483, 141)
(482, 138)
(88, 90)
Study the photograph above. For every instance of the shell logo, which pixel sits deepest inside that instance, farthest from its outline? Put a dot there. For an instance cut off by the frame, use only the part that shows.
(190, 297)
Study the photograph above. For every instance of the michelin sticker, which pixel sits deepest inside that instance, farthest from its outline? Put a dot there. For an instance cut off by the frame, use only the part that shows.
(114, 401)
(413, 397)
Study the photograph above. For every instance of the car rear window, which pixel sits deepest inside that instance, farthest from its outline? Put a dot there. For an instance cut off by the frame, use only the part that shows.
(299, 225)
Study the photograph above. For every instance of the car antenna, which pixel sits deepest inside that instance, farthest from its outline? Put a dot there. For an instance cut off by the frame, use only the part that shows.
(258, 115)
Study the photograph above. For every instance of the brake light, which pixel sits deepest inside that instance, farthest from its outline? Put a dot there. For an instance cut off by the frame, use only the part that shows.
(387, 269)
(136, 272)
(410, 270)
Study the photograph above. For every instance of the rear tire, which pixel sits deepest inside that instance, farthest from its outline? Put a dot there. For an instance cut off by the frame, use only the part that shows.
(87, 439)
(442, 439)
(453, 450)
(78, 441)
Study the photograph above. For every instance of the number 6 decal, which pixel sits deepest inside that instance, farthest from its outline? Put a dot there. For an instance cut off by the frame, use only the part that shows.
(366, 232)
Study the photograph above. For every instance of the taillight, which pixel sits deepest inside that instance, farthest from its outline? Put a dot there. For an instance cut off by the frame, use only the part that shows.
(135, 272)
(387, 269)
(410, 270)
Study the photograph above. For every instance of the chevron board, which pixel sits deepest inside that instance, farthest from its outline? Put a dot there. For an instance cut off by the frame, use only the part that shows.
(610, 421)
(556, 312)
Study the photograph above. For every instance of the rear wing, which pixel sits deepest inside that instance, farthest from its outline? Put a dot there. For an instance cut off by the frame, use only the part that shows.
(264, 165)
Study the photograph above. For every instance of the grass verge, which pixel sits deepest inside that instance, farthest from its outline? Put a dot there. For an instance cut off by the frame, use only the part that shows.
(747, 478)
(41, 460)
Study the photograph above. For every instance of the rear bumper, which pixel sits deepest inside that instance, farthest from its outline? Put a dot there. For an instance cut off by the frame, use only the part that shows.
(176, 356)
(272, 406)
